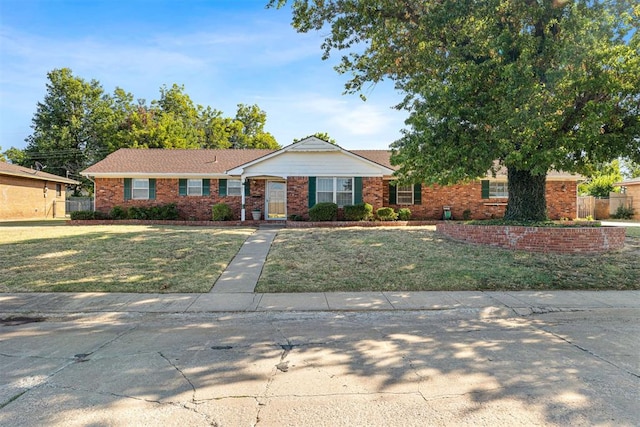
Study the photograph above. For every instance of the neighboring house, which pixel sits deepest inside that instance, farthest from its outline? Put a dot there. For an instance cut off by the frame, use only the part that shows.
(29, 194)
(287, 182)
(631, 189)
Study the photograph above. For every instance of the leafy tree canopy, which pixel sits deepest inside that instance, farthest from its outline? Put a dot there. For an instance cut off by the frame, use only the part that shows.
(601, 181)
(532, 84)
(78, 124)
(630, 169)
(320, 135)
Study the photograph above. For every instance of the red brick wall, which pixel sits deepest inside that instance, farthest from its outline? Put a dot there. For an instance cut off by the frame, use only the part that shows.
(373, 193)
(561, 201)
(298, 196)
(24, 198)
(110, 193)
(538, 239)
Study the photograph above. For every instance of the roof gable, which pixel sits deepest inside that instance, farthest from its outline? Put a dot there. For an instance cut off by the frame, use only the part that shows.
(312, 157)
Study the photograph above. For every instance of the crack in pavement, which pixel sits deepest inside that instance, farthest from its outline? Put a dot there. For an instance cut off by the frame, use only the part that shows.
(587, 351)
(193, 388)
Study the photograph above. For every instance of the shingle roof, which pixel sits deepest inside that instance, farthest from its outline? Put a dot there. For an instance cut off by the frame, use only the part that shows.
(21, 171)
(161, 161)
(381, 157)
(218, 161)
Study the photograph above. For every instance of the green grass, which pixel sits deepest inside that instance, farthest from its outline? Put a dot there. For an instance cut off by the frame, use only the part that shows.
(416, 259)
(119, 258)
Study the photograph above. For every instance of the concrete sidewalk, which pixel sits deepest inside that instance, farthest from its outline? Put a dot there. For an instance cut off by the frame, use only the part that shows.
(521, 303)
(243, 272)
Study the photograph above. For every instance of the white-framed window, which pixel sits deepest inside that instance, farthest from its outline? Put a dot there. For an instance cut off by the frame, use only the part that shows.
(336, 190)
(139, 189)
(404, 194)
(498, 189)
(234, 187)
(194, 187)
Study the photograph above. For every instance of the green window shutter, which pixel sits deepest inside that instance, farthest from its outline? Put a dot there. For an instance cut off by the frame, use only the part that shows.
(417, 194)
(222, 187)
(247, 188)
(206, 187)
(182, 187)
(127, 188)
(357, 190)
(485, 188)
(392, 194)
(312, 191)
(152, 189)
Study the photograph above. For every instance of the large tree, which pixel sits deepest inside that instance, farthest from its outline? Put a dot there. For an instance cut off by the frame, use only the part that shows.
(70, 126)
(528, 85)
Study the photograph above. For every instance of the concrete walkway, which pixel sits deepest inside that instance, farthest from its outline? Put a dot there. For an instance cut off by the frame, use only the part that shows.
(489, 304)
(243, 272)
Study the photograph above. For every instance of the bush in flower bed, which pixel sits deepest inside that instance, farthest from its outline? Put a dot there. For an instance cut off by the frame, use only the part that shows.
(359, 212)
(168, 212)
(88, 215)
(386, 214)
(324, 211)
(404, 214)
(222, 212)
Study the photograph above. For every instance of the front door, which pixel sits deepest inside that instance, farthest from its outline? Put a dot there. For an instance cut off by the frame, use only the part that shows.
(276, 200)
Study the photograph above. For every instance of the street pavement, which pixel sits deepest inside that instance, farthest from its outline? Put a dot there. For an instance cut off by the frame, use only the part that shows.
(463, 358)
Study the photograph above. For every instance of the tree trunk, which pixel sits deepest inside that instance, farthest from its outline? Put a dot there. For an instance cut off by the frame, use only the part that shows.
(527, 196)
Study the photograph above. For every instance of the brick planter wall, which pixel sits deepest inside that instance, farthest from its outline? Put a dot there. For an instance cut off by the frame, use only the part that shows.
(538, 239)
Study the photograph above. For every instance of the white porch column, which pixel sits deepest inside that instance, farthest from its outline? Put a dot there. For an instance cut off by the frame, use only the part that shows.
(242, 211)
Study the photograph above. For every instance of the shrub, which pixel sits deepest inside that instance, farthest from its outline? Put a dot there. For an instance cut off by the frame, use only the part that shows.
(222, 212)
(136, 212)
(359, 212)
(466, 214)
(84, 215)
(324, 211)
(387, 214)
(404, 214)
(295, 217)
(623, 212)
(167, 212)
(118, 212)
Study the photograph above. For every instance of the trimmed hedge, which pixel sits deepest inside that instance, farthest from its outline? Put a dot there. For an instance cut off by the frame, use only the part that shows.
(168, 212)
(324, 211)
(118, 212)
(386, 214)
(222, 212)
(162, 212)
(404, 214)
(84, 215)
(359, 212)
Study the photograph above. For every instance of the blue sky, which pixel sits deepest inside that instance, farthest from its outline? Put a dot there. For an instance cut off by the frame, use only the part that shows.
(224, 52)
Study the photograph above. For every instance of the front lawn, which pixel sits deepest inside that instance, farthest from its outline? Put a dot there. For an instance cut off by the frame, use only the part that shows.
(416, 259)
(116, 258)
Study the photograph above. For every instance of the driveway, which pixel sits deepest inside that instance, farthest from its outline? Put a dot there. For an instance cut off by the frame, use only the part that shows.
(572, 366)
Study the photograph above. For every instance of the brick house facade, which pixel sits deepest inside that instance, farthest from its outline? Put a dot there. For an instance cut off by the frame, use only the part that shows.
(287, 182)
(29, 194)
